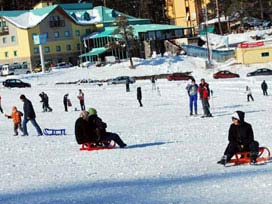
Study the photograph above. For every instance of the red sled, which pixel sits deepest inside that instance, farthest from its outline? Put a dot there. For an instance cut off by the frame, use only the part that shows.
(244, 158)
(94, 146)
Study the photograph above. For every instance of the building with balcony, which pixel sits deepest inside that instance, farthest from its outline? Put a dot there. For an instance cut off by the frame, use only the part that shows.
(74, 30)
(187, 13)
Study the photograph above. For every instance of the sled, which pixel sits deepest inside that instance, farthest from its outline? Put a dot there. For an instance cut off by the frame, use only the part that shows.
(244, 158)
(52, 132)
(94, 146)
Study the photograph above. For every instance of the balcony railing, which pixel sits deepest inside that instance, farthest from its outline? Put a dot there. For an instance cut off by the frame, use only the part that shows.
(4, 30)
(57, 23)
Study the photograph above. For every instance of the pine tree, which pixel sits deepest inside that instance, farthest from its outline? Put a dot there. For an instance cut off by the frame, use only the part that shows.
(127, 40)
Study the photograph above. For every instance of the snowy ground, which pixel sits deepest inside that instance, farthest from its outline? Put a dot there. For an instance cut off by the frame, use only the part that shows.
(171, 157)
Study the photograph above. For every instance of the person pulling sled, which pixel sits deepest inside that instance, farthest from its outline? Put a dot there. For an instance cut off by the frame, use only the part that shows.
(241, 139)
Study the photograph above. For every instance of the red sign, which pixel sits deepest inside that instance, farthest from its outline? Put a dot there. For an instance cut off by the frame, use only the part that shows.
(251, 44)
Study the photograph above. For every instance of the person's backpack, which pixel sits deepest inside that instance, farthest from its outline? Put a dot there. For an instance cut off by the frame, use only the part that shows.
(69, 103)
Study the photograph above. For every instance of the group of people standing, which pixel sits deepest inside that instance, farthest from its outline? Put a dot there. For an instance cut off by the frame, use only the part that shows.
(67, 102)
(204, 91)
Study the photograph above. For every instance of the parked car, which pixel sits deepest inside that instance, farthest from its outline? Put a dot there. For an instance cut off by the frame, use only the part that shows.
(90, 81)
(260, 72)
(11, 83)
(179, 76)
(122, 80)
(63, 65)
(225, 74)
(16, 68)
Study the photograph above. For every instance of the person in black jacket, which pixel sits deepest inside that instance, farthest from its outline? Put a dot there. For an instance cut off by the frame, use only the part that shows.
(82, 130)
(98, 128)
(139, 96)
(264, 88)
(241, 139)
(45, 102)
(29, 115)
(65, 102)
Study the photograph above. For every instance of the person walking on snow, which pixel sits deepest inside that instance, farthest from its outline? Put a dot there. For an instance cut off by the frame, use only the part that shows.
(241, 139)
(29, 115)
(192, 93)
(16, 117)
(204, 92)
(45, 102)
(81, 99)
(264, 88)
(139, 96)
(249, 94)
(1, 105)
(153, 81)
(65, 102)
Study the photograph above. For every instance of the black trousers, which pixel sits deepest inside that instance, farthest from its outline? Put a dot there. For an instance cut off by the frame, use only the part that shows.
(234, 148)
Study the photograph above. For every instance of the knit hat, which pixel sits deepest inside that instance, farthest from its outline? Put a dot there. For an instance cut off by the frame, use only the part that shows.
(239, 115)
(92, 111)
(22, 97)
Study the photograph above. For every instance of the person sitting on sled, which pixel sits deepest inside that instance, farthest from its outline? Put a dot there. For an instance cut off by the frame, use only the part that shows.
(98, 128)
(241, 139)
(82, 130)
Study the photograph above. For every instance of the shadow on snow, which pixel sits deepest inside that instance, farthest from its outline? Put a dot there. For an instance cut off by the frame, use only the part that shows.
(133, 191)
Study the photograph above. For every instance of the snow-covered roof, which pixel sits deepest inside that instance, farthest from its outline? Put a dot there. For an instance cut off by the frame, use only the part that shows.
(28, 19)
(82, 14)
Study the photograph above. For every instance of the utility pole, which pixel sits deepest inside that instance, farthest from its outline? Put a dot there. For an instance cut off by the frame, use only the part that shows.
(207, 38)
(105, 3)
(261, 9)
(218, 17)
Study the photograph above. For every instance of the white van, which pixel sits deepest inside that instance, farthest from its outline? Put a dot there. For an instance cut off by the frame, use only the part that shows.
(14, 69)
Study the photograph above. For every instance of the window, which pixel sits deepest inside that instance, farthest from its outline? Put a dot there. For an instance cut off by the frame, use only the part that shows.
(56, 34)
(47, 49)
(265, 54)
(36, 50)
(78, 46)
(6, 54)
(33, 34)
(77, 32)
(13, 38)
(58, 48)
(15, 53)
(88, 31)
(68, 47)
(3, 23)
(67, 33)
(4, 40)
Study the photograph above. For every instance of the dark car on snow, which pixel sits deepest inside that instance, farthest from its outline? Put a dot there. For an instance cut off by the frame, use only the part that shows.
(260, 72)
(11, 83)
(225, 74)
(179, 76)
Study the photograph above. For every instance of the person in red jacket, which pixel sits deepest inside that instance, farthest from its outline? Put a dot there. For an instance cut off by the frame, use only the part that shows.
(16, 117)
(204, 92)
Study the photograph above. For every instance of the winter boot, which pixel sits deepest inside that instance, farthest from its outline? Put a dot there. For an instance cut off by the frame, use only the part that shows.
(223, 160)
(253, 156)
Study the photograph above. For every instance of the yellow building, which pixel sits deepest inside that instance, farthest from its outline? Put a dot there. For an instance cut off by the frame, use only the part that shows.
(252, 55)
(185, 12)
(64, 31)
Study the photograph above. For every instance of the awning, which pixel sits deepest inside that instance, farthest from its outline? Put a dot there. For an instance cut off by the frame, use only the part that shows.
(107, 32)
(94, 52)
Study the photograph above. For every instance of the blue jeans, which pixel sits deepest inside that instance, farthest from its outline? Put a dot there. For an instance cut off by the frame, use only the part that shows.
(34, 123)
(193, 102)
